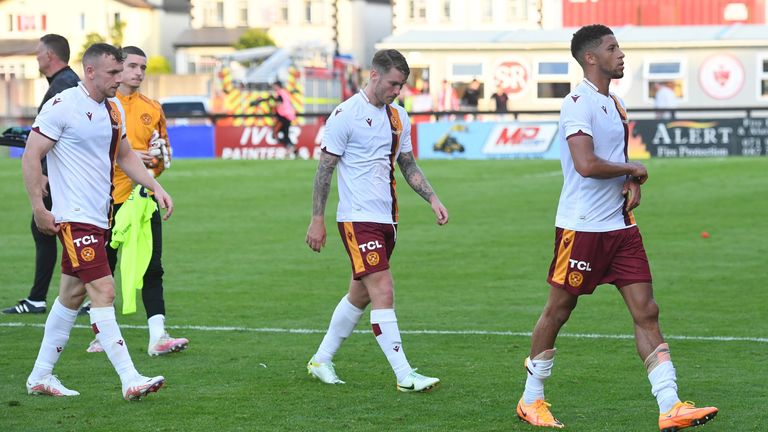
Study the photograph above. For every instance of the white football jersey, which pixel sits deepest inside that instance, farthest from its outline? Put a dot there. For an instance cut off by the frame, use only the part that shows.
(362, 135)
(590, 204)
(81, 163)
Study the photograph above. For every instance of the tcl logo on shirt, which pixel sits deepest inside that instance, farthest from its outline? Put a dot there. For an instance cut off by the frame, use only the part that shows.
(89, 239)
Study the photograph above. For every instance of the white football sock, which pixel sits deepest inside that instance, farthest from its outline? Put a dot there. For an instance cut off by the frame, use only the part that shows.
(664, 385)
(57, 327)
(156, 325)
(538, 370)
(343, 321)
(108, 333)
(384, 324)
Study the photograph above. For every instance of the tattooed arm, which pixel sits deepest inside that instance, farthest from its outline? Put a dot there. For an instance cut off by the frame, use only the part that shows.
(418, 182)
(316, 232)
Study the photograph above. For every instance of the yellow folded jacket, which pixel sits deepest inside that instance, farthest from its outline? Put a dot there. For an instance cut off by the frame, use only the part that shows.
(132, 234)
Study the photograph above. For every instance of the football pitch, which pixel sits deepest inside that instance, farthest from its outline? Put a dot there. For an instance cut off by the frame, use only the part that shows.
(254, 301)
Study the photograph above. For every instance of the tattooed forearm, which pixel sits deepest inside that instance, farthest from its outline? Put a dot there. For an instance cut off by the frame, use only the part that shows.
(414, 176)
(323, 183)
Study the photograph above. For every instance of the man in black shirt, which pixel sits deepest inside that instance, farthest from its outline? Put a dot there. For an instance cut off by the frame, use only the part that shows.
(52, 58)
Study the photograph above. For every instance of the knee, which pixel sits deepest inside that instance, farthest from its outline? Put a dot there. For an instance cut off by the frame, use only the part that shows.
(557, 314)
(647, 314)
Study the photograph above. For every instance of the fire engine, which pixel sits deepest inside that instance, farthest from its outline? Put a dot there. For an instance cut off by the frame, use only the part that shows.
(316, 80)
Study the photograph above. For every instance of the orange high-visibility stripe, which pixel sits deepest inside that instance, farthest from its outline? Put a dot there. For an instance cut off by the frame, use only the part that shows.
(69, 245)
(563, 255)
(354, 251)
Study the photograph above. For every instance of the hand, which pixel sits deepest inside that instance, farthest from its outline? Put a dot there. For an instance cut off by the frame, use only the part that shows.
(45, 222)
(316, 234)
(164, 201)
(638, 171)
(45, 186)
(158, 148)
(148, 160)
(631, 190)
(440, 211)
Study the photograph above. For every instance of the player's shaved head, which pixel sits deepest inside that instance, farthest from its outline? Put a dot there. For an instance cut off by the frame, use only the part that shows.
(586, 39)
(99, 50)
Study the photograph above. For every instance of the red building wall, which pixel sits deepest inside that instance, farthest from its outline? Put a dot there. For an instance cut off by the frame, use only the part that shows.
(657, 12)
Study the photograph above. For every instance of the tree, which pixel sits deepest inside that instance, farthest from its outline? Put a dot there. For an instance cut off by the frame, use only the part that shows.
(157, 65)
(115, 34)
(90, 39)
(253, 38)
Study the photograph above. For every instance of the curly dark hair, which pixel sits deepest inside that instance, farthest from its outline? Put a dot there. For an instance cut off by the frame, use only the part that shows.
(587, 38)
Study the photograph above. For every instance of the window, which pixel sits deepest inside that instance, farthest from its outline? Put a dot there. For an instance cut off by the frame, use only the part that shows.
(466, 70)
(417, 10)
(242, 14)
(313, 12)
(117, 18)
(10, 23)
(282, 12)
(82, 21)
(762, 76)
(446, 10)
(517, 10)
(659, 73)
(308, 11)
(213, 14)
(552, 79)
(486, 10)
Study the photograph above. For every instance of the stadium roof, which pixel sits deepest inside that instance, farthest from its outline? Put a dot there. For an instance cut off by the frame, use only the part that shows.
(657, 36)
(14, 47)
(208, 37)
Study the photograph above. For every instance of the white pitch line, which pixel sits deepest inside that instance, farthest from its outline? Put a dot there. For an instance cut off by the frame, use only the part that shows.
(417, 332)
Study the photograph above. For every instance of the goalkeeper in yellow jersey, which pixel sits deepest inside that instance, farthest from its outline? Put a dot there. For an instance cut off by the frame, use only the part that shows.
(146, 131)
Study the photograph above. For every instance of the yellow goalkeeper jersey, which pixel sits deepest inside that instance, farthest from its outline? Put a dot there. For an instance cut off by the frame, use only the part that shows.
(143, 116)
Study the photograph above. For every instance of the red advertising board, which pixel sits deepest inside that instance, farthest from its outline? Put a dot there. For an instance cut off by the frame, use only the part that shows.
(662, 12)
(257, 142)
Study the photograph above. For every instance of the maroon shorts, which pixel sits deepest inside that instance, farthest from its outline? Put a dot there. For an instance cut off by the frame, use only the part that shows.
(369, 245)
(84, 255)
(584, 260)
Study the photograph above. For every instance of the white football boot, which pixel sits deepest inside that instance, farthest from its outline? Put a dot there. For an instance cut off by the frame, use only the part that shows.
(141, 386)
(323, 371)
(416, 382)
(49, 385)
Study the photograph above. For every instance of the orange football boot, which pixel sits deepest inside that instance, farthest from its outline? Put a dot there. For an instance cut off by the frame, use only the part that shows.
(537, 414)
(684, 415)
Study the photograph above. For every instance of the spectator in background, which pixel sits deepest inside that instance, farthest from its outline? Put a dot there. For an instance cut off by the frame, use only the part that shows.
(447, 99)
(471, 96)
(664, 99)
(285, 114)
(500, 98)
(52, 58)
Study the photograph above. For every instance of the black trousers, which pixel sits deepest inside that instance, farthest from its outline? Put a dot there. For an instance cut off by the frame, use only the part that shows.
(283, 127)
(152, 293)
(46, 253)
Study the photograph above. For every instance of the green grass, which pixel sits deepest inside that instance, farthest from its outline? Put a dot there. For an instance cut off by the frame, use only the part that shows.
(235, 256)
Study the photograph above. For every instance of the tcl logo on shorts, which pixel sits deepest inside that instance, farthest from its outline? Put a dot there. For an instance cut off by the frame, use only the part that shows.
(581, 265)
(370, 246)
(89, 239)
